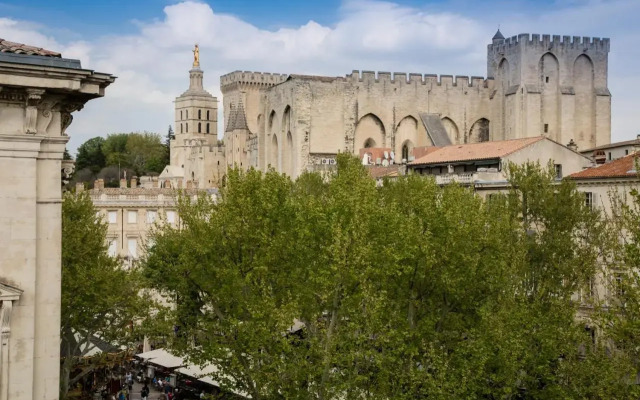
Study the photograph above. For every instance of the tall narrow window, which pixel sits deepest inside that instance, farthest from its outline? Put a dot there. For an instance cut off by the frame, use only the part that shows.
(181, 129)
(113, 246)
(132, 246)
(207, 127)
(558, 169)
(199, 114)
(186, 114)
(588, 199)
(207, 115)
(186, 127)
(199, 127)
(405, 152)
(546, 128)
(181, 114)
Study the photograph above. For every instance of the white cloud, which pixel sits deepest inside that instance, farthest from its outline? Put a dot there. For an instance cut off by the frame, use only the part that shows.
(152, 64)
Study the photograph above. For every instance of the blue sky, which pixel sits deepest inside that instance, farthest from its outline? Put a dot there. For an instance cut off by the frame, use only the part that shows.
(147, 44)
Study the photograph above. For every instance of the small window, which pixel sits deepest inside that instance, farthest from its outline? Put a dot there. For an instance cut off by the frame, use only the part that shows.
(546, 128)
(151, 216)
(171, 217)
(132, 217)
(207, 127)
(626, 152)
(113, 247)
(187, 114)
(558, 169)
(113, 217)
(546, 79)
(199, 127)
(132, 246)
(199, 114)
(186, 127)
(609, 156)
(181, 130)
(619, 284)
(180, 114)
(588, 199)
(207, 115)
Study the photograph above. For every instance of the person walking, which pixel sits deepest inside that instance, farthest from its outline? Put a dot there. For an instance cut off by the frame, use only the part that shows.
(144, 393)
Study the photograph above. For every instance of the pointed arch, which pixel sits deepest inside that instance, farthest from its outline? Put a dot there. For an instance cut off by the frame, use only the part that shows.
(271, 128)
(583, 83)
(407, 132)
(406, 150)
(369, 129)
(260, 123)
(452, 129)
(288, 155)
(549, 68)
(286, 119)
(479, 131)
(273, 153)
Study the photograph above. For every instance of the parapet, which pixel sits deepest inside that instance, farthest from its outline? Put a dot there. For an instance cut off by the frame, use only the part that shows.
(413, 78)
(258, 79)
(547, 42)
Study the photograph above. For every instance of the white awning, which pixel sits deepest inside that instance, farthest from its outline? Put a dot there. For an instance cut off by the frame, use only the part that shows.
(162, 358)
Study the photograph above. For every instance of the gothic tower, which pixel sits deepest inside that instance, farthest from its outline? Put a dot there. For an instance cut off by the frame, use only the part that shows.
(552, 86)
(196, 117)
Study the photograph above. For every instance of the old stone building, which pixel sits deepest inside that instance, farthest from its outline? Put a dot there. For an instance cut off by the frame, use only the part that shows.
(535, 85)
(38, 92)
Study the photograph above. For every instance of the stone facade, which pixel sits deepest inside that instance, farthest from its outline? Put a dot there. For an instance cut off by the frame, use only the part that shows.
(536, 85)
(38, 92)
(131, 213)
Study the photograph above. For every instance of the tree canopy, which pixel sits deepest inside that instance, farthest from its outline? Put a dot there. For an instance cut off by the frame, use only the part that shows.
(141, 153)
(334, 288)
(100, 298)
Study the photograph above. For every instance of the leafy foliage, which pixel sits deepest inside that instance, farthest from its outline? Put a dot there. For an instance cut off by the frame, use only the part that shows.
(100, 299)
(333, 288)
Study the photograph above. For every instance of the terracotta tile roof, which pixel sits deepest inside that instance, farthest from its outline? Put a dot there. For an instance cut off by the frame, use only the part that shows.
(145, 191)
(380, 172)
(19, 48)
(620, 168)
(475, 151)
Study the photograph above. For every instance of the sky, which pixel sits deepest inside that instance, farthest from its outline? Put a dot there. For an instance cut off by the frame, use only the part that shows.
(147, 44)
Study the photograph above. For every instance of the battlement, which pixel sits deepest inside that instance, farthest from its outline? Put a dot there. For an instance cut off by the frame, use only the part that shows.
(259, 79)
(400, 78)
(548, 42)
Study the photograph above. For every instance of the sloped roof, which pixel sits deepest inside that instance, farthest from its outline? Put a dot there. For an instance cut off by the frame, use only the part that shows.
(612, 145)
(237, 118)
(377, 171)
(19, 48)
(498, 35)
(475, 151)
(621, 168)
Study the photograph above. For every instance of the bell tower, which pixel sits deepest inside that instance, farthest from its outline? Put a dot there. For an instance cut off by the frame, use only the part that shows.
(196, 116)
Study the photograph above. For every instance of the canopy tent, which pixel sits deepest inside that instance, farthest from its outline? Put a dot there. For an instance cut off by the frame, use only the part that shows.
(162, 358)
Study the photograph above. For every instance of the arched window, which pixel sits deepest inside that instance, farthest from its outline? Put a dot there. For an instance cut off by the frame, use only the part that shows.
(181, 128)
(207, 127)
(405, 152)
(187, 114)
(369, 143)
(199, 114)
(207, 115)
(180, 114)
(186, 127)
(199, 127)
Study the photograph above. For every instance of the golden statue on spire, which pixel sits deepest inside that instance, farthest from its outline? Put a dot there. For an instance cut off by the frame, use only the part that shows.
(196, 57)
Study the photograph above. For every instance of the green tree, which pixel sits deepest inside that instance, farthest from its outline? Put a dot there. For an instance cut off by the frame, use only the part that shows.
(146, 152)
(90, 155)
(115, 149)
(100, 299)
(407, 291)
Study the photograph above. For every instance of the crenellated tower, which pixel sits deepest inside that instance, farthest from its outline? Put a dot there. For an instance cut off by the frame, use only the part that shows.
(551, 85)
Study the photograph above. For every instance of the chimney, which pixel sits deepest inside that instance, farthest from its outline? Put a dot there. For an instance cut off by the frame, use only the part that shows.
(98, 184)
(123, 183)
(134, 182)
(572, 145)
(79, 187)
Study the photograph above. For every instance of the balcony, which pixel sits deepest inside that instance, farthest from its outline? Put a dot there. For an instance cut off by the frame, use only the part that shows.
(471, 178)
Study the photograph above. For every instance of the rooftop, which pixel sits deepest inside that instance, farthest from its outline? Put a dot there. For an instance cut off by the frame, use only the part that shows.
(19, 48)
(475, 151)
(612, 145)
(621, 168)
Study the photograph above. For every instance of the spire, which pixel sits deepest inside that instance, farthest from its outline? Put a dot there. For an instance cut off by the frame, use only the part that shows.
(232, 119)
(237, 118)
(498, 35)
